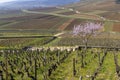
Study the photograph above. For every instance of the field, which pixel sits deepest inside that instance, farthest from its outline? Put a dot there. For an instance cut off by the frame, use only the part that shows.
(39, 44)
(18, 43)
(49, 65)
(116, 27)
(37, 22)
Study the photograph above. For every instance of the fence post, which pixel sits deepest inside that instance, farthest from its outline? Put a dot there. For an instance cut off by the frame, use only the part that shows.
(6, 64)
(1, 75)
(74, 71)
(35, 69)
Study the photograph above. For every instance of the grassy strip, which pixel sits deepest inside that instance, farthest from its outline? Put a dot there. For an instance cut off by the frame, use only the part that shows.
(108, 26)
(108, 69)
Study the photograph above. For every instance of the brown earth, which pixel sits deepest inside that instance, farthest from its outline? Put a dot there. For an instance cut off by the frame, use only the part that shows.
(111, 15)
(78, 22)
(65, 25)
(116, 27)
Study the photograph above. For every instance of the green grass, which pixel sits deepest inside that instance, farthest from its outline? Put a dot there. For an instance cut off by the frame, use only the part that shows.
(61, 11)
(53, 42)
(108, 70)
(97, 12)
(65, 70)
(27, 32)
(108, 26)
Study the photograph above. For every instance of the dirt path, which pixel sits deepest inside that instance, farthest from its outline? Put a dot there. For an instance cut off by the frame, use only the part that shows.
(63, 26)
(58, 34)
(59, 15)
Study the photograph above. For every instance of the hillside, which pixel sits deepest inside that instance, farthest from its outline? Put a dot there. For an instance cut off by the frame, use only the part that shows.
(90, 5)
(55, 43)
(107, 11)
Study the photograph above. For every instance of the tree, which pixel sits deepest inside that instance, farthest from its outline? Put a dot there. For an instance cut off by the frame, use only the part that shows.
(85, 32)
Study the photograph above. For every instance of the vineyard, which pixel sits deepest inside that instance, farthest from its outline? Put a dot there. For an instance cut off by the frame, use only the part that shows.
(78, 41)
(67, 41)
(17, 43)
(60, 64)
